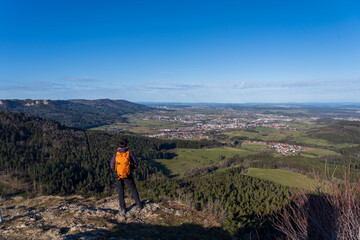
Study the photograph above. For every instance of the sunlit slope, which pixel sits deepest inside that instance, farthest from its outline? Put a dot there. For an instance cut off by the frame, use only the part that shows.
(188, 159)
(283, 177)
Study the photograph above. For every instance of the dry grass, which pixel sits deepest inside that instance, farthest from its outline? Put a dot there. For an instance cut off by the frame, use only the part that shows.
(332, 213)
(215, 210)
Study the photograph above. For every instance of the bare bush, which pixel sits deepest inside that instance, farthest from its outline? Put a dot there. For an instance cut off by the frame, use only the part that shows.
(215, 209)
(332, 213)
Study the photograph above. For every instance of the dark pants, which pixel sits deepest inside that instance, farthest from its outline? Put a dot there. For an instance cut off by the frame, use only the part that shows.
(120, 186)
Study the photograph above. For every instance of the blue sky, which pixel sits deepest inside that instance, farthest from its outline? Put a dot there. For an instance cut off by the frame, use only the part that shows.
(181, 51)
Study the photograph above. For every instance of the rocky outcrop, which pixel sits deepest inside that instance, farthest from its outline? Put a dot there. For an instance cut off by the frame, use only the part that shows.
(74, 217)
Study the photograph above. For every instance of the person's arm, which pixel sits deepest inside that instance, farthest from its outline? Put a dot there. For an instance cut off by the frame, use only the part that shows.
(112, 163)
(134, 160)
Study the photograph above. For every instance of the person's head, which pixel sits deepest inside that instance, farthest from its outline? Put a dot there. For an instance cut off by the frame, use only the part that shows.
(123, 143)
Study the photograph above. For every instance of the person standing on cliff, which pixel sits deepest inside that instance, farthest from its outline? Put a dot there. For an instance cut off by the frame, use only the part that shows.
(123, 163)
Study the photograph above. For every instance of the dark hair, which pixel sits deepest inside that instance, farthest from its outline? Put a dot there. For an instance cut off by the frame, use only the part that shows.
(123, 143)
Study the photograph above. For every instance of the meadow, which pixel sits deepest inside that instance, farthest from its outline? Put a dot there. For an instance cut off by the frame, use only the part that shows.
(318, 152)
(253, 146)
(319, 147)
(282, 177)
(188, 159)
(273, 135)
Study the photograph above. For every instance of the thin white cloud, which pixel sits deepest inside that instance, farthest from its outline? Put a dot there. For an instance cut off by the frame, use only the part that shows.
(172, 86)
(220, 91)
(324, 84)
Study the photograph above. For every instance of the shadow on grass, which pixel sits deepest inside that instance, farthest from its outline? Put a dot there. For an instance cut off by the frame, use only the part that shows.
(147, 231)
(162, 168)
(13, 194)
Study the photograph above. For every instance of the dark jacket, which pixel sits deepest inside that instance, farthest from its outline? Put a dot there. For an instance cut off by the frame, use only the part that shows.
(134, 161)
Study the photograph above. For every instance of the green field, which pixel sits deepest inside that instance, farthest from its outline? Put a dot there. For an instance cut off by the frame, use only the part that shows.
(301, 138)
(188, 159)
(345, 145)
(253, 146)
(283, 177)
(249, 135)
(271, 134)
(318, 152)
(265, 134)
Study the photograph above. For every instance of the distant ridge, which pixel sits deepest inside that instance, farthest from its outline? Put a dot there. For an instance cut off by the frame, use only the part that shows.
(79, 113)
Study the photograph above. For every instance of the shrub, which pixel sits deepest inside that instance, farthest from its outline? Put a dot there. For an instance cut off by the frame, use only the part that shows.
(332, 212)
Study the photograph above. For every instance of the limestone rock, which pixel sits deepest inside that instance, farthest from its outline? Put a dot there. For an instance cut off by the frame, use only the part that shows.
(77, 218)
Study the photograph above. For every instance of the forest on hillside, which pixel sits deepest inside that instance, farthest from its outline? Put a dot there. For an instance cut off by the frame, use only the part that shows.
(57, 160)
(61, 160)
(247, 201)
(76, 113)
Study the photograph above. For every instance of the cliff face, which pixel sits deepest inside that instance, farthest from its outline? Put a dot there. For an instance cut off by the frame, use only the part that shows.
(53, 217)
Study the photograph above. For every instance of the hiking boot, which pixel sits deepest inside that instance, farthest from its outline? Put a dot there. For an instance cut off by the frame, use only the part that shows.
(140, 207)
(137, 209)
(121, 216)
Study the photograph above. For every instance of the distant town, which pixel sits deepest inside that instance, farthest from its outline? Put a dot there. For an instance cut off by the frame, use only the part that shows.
(199, 126)
(283, 148)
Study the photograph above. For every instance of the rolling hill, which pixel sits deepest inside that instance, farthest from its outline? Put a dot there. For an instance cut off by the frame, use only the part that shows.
(77, 113)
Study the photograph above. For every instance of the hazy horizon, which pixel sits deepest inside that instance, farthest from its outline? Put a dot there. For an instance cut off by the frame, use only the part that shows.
(200, 103)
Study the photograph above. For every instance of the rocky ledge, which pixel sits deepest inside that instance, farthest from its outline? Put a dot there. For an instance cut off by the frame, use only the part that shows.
(53, 217)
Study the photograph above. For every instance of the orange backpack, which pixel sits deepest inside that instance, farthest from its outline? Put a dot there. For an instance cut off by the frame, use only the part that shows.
(122, 164)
